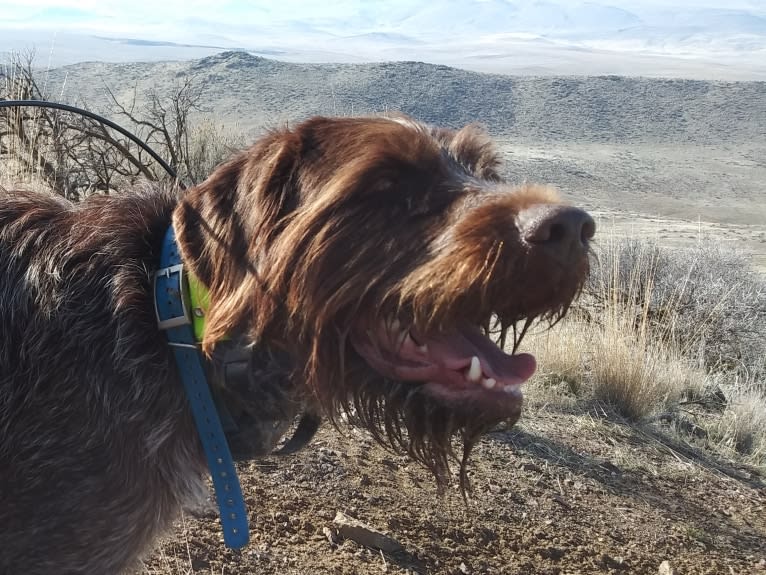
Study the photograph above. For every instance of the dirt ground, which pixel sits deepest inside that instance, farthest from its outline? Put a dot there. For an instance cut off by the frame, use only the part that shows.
(560, 493)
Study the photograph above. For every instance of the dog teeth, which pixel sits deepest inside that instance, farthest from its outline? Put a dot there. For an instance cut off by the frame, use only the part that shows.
(511, 389)
(395, 326)
(423, 348)
(474, 372)
(489, 382)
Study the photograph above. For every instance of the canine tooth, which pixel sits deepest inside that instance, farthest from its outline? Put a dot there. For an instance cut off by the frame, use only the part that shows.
(489, 382)
(474, 372)
(511, 388)
(395, 325)
(423, 348)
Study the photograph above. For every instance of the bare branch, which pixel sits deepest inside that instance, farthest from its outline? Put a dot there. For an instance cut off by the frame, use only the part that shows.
(77, 156)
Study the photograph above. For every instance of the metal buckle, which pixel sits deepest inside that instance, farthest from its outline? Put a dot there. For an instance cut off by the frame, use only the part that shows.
(179, 320)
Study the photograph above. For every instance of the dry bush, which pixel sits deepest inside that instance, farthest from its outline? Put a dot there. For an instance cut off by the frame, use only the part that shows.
(66, 153)
(705, 301)
(650, 337)
(76, 156)
(639, 368)
(209, 145)
(175, 124)
(618, 356)
(742, 425)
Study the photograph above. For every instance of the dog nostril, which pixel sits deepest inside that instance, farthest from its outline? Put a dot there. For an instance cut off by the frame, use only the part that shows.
(556, 226)
(556, 233)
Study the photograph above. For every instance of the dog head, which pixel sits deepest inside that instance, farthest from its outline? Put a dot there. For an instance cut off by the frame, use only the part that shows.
(388, 260)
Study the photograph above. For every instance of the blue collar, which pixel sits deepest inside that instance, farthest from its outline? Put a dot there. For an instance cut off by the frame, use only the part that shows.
(171, 294)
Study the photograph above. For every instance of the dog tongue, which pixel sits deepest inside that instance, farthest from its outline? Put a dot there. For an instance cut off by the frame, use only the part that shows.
(455, 351)
(457, 360)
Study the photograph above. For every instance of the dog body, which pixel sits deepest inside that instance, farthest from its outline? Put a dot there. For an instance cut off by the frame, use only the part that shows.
(360, 262)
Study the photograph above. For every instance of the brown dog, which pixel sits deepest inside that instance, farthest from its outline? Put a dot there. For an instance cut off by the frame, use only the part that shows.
(362, 263)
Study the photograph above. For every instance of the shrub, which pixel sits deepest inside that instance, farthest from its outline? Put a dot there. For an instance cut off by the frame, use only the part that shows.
(705, 301)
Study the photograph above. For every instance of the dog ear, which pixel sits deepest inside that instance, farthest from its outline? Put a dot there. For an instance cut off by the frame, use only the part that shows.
(473, 149)
(224, 223)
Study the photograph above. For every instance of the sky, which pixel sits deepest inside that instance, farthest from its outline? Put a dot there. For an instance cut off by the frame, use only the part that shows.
(441, 31)
(181, 20)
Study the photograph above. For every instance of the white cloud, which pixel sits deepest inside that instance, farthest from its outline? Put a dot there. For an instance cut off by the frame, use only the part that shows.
(184, 17)
(399, 29)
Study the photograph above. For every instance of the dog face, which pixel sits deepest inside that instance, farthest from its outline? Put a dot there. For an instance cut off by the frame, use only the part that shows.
(387, 259)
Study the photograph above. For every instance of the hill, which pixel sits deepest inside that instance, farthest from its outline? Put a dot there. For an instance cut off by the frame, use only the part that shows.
(255, 92)
(650, 155)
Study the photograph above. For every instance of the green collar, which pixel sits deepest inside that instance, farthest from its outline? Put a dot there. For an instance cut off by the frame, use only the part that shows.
(199, 299)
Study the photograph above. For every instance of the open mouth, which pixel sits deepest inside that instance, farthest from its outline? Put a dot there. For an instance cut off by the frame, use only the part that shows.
(461, 367)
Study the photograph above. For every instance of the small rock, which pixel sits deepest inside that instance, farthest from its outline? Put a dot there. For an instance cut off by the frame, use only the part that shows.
(464, 568)
(666, 569)
(612, 562)
(355, 530)
(554, 553)
(331, 536)
(496, 489)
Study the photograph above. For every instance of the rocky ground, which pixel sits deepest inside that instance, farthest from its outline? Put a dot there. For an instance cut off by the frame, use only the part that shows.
(564, 492)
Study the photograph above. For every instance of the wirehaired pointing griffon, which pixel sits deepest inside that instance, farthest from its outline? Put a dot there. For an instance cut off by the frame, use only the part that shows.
(370, 266)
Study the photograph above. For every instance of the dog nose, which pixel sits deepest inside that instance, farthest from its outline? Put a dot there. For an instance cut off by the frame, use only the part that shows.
(563, 230)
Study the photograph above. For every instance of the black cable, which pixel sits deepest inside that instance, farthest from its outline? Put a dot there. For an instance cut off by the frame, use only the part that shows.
(101, 119)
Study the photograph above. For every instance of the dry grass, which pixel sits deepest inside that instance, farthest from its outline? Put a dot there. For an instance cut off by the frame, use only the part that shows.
(610, 351)
(639, 343)
(169, 561)
(705, 301)
(211, 144)
(612, 362)
(742, 425)
(638, 371)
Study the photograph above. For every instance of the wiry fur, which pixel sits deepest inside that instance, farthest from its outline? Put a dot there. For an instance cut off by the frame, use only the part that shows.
(299, 239)
(97, 448)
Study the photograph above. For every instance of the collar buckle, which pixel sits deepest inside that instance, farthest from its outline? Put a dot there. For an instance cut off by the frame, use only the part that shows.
(169, 283)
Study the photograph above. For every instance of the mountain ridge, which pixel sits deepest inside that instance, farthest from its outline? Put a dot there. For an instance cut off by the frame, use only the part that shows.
(257, 92)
